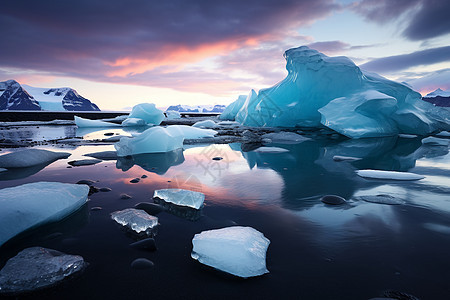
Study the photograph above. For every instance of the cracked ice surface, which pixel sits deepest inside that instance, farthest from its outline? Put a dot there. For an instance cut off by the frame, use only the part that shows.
(237, 250)
(333, 92)
(181, 197)
(35, 268)
(29, 205)
(135, 219)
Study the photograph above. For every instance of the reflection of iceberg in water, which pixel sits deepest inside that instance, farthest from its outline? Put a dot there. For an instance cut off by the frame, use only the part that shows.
(309, 171)
(158, 163)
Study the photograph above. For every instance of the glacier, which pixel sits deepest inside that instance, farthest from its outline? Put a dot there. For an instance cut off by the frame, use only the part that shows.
(333, 92)
(237, 250)
(181, 197)
(160, 139)
(30, 157)
(30, 205)
(36, 268)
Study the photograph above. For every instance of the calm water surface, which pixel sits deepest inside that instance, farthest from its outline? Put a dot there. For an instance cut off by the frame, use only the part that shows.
(353, 251)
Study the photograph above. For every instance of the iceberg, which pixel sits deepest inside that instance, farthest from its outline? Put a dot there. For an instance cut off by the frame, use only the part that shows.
(129, 122)
(36, 268)
(237, 250)
(30, 205)
(30, 157)
(378, 174)
(147, 112)
(205, 124)
(160, 139)
(333, 92)
(232, 109)
(136, 220)
(181, 197)
(82, 122)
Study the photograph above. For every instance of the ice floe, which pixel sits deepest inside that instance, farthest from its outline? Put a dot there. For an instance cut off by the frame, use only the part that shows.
(30, 205)
(30, 157)
(82, 122)
(393, 175)
(181, 197)
(136, 220)
(205, 124)
(36, 268)
(382, 199)
(237, 250)
(271, 150)
(345, 158)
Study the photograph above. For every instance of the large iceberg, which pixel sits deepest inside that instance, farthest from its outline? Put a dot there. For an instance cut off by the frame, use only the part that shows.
(232, 109)
(237, 250)
(333, 92)
(30, 157)
(181, 197)
(147, 112)
(30, 205)
(160, 139)
(35, 268)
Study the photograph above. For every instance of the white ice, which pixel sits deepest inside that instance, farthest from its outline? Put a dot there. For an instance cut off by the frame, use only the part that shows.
(36, 267)
(333, 92)
(30, 157)
(82, 122)
(205, 124)
(181, 197)
(270, 150)
(345, 158)
(129, 122)
(284, 137)
(160, 139)
(237, 250)
(30, 205)
(147, 112)
(232, 109)
(377, 174)
(135, 219)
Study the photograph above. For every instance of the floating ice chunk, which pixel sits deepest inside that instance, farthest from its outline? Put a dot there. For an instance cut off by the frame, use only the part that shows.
(237, 250)
(407, 136)
(30, 157)
(205, 124)
(84, 162)
(135, 219)
(30, 205)
(271, 150)
(129, 122)
(285, 137)
(120, 119)
(377, 174)
(35, 268)
(181, 197)
(147, 112)
(229, 123)
(82, 122)
(103, 155)
(345, 158)
(334, 92)
(232, 109)
(159, 139)
(172, 114)
(3, 170)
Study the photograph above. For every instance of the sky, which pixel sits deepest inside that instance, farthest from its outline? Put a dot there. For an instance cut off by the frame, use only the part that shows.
(119, 53)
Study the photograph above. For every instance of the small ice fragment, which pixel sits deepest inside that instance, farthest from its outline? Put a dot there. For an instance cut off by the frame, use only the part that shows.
(237, 250)
(30, 157)
(36, 268)
(33, 204)
(84, 162)
(3, 170)
(377, 174)
(345, 158)
(205, 124)
(285, 137)
(382, 199)
(103, 155)
(135, 219)
(82, 122)
(181, 197)
(229, 123)
(407, 136)
(270, 150)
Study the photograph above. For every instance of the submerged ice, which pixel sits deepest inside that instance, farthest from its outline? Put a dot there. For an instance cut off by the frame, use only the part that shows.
(237, 250)
(334, 92)
(35, 268)
(30, 205)
(181, 197)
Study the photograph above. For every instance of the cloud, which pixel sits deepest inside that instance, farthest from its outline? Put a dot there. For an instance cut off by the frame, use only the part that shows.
(431, 81)
(119, 40)
(333, 47)
(425, 18)
(405, 61)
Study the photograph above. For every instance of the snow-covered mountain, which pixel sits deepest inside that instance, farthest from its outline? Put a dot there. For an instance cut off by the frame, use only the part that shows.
(199, 108)
(13, 96)
(438, 98)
